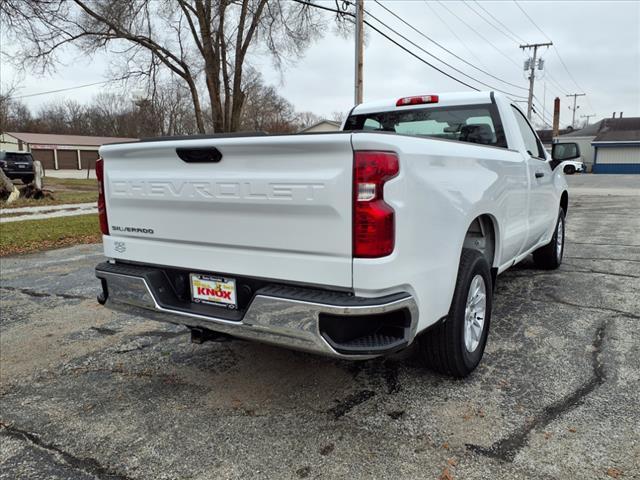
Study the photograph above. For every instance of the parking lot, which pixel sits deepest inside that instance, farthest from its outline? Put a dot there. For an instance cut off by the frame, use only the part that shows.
(87, 393)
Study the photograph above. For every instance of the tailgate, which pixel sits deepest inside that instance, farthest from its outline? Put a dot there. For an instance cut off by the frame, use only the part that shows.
(272, 207)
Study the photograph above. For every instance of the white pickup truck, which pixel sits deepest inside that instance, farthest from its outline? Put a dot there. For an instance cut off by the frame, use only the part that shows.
(353, 244)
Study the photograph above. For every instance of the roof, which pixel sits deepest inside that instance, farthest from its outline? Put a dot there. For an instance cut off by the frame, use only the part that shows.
(546, 136)
(620, 130)
(447, 99)
(53, 139)
(611, 130)
(588, 131)
(330, 122)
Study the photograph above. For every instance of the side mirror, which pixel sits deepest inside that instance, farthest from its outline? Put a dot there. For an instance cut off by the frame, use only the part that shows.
(561, 152)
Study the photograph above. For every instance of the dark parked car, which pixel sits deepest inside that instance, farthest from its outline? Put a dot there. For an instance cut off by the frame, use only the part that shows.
(17, 165)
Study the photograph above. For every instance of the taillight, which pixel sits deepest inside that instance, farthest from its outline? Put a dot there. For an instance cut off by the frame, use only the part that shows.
(373, 219)
(102, 205)
(418, 100)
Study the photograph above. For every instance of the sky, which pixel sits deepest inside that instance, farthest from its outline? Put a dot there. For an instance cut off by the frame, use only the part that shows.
(598, 41)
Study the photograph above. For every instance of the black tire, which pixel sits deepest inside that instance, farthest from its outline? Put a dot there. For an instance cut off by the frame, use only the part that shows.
(442, 348)
(569, 169)
(548, 257)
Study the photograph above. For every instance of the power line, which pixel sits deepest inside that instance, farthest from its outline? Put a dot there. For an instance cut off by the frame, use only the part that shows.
(428, 53)
(544, 120)
(542, 117)
(501, 31)
(587, 117)
(555, 83)
(512, 35)
(391, 40)
(478, 33)
(377, 30)
(573, 79)
(445, 49)
(518, 38)
(328, 9)
(531, 20)
(453, 32)
(418, 57)
(566, 69)
(63, 89)
(555, 49)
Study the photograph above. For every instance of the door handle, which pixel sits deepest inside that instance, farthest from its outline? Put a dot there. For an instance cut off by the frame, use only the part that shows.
(199, 155)
(539, 174)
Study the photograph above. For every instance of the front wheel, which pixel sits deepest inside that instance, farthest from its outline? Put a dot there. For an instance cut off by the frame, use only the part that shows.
(455, 346)
(570, 169)
(549, 257)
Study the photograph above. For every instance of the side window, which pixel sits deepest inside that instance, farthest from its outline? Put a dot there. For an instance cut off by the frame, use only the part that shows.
(371, 124)
(531, 142)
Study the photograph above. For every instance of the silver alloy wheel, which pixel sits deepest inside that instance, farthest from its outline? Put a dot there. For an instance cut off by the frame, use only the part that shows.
(559, 239)
(475, 313)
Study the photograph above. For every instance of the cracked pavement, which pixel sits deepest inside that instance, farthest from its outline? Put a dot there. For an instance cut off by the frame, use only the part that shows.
(86, 393)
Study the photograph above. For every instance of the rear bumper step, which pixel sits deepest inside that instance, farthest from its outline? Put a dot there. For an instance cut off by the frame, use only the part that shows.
(336, 324)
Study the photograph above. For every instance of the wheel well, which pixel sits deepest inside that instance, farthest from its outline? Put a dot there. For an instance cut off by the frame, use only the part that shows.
(481, 236)
(564, 201)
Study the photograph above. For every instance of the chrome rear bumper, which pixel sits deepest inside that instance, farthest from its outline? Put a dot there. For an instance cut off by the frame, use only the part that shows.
(274, 315)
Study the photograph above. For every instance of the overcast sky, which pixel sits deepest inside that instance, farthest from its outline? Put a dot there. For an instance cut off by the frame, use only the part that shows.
(599, 42)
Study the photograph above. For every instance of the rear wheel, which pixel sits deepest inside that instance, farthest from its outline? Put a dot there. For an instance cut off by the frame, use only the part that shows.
(549, 257)
(455, 346)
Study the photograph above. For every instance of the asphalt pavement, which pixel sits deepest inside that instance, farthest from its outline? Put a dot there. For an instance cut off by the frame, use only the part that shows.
(86, 393)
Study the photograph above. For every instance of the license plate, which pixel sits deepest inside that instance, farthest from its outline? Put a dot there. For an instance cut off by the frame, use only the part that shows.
(213, 290)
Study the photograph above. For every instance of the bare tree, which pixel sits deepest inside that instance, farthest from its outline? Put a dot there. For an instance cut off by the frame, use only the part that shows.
(14, 115)
(338, 116)
(171, 105)
(307, 119)
(265, 110)
(195, 40)
(75, 116)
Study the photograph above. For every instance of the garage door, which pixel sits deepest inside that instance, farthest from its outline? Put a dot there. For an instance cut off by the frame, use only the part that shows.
(617, 158)
(45, 157)
(67, 159)
(88, 158)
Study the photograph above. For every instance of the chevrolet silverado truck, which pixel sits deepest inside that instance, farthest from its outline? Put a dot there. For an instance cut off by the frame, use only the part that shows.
(354, 244)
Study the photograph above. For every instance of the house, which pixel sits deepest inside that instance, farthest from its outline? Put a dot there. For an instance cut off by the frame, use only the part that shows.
(587, 135)
(583, 137)
(617, 146)
(322, 126)
(546, 136)
(58, 151)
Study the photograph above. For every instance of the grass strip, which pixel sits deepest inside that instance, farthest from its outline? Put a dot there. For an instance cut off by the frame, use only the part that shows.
(36, 235)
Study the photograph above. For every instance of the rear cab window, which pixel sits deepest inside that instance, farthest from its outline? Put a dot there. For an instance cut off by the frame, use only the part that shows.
(16, 157)
(478, 124)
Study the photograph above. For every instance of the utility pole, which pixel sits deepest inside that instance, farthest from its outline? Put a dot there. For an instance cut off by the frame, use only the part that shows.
(532, 68)
(575, 99)
(544, 103)
(587, 117)
(359, 51)
(556, 117)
